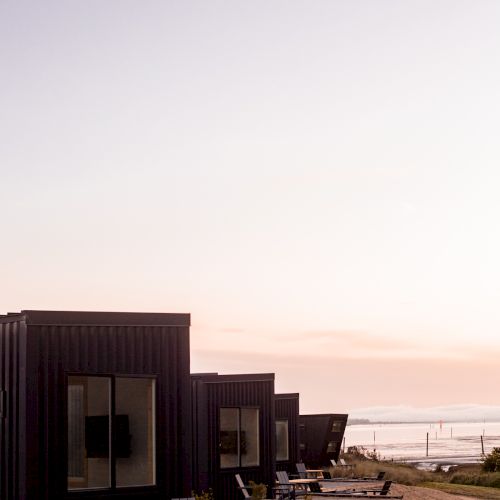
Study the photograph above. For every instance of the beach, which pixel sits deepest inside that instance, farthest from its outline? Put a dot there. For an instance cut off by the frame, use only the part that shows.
(448, 443)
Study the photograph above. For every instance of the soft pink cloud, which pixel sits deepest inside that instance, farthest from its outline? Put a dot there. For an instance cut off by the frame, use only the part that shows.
(339, 384)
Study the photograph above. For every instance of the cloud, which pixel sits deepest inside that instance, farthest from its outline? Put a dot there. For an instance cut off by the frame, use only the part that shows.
(357, 344)
(450, 413)
(231, 330)
(354, 338)
(328, 382)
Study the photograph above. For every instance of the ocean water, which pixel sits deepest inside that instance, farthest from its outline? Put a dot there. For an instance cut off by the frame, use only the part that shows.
(449, 443)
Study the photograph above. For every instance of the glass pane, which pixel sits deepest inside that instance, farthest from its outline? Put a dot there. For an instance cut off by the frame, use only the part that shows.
(332, 447)
(88, 432)
(229, 442)
(249, 438)
(281, 439)
(134, 434)
(337, 426)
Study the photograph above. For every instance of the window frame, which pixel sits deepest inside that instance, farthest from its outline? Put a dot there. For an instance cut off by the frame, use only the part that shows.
(239, 408)
(112, 414)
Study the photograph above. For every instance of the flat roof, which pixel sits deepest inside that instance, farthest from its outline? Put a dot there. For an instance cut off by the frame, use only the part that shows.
(323, 415)
(213, 378)
(287, 395)
(101, 318)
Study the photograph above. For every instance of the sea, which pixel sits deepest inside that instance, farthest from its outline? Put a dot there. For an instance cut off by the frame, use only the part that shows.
(426, 445)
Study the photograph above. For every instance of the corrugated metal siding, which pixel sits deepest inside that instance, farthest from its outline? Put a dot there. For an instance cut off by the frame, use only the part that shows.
(251, 393)
(316, 432)
(288, 408)
(12, 385)
(339, 436)
(55, 350)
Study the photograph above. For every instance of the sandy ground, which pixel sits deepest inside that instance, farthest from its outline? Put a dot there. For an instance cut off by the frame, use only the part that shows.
(416, 493)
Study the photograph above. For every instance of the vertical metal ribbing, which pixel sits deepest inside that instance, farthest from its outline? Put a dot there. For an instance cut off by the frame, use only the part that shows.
(56, 350)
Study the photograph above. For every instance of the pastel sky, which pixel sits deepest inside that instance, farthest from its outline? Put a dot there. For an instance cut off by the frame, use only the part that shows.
(317, 182)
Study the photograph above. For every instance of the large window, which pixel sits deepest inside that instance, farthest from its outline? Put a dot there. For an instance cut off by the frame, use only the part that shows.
(239, 437)
(282, 440)
(111, 439)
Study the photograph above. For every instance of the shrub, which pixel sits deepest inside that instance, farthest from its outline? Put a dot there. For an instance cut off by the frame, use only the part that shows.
(204, 495)
(491, 462)
(488, 479)
(259, 491)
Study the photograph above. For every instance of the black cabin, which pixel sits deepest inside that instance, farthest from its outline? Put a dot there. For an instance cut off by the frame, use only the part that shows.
(94, 405)
(287, 431)
(321, 438)
(233, 432)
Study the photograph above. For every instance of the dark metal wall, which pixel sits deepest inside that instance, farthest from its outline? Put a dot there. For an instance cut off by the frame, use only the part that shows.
(210, 393)
(105, 343)
(12, 408)
(287, 407)
(315, 433)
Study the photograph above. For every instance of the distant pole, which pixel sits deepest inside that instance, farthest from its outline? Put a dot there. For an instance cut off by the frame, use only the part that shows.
(427, 446)
(343, 446)
(373, 438)
(436, 435)
(482, 445)
(451, 432)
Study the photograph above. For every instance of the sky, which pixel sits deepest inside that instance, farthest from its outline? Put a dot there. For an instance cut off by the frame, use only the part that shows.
(316, 182)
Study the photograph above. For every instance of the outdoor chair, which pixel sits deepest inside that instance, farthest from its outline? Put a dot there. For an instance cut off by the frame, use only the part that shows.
(380, 491)
(244, 487)
(343, 463)
(316, 490)
(285, 487)
(358, 495)
(328, 477)
(303, 472)
(384, 491)
(301, 469)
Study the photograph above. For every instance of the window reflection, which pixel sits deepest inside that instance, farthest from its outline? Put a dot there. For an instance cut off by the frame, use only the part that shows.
(88, 432)
(134, 432)
(282, 440)
(239, 437)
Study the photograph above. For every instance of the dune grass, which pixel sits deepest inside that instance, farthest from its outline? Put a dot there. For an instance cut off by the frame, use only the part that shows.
(468, 475)
(466, 480)
(401, 473)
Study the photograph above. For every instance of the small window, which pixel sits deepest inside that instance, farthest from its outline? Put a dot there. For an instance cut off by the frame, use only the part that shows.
(282, 440)
(332, 447)
(239, 437)
(337, 426)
